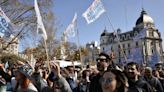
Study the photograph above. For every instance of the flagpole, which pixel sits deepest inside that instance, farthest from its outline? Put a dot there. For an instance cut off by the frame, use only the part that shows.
(46, 49)
(78, 43)
(116, 36)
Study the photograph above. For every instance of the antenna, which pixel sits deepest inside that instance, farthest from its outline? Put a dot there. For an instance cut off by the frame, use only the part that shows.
(142, 4)
(126, 20)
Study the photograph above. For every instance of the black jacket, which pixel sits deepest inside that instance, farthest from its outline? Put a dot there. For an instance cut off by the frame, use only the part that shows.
(155, 83)
(140, 84)
(95, 85)
(6, 76)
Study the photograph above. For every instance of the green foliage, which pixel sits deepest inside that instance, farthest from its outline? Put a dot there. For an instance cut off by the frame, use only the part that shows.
(11, 59)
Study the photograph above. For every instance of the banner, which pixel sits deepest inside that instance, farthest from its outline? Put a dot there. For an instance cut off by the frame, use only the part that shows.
(154, 59)
(6, 27)
(137, 55)
(70, 31)
(94, 11)
(40, 25)
(142, 34)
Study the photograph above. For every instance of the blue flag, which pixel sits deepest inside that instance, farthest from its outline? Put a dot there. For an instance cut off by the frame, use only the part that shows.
(142, 34)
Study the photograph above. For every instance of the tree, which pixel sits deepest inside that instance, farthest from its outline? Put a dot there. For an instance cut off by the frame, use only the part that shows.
(22, 11)
(11, 58)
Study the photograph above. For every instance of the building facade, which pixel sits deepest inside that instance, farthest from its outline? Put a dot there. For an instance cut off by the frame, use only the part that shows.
(93, 52)
(142, 44)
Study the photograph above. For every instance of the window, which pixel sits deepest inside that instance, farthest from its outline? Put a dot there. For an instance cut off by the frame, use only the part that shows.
(123, 37)
(124, 52)
(128, 51)
(119, 46)
(111, 48)
(150, 34)
(136, 44)
(151, 43)
(103, 49)
(119, 53)
(119, 60)
(152, 51)
(123, 45)
(128, 36)
(128, 45)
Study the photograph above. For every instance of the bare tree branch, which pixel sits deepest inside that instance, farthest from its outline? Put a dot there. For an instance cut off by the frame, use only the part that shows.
(3, 2)
(24, 12)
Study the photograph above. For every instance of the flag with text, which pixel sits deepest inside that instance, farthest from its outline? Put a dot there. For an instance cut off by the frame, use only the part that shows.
(94, 11)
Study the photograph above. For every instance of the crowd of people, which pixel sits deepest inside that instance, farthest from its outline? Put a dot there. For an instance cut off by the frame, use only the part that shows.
(106, 77)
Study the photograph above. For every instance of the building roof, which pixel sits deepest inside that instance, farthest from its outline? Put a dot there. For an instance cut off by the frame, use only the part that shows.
(144, 18)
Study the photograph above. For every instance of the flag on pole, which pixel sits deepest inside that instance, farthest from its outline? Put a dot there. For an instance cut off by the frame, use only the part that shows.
(6, 25)
(142, 34)
(94, 11)
(40, 25)
(70, 31)
(4, 15)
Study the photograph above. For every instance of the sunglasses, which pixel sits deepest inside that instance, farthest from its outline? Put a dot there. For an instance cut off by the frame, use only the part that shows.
(101, 60)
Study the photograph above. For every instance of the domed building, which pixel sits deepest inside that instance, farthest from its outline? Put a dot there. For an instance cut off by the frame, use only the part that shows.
(142, 44)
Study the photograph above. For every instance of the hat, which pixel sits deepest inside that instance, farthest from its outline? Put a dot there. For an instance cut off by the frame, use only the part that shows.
(26, 70)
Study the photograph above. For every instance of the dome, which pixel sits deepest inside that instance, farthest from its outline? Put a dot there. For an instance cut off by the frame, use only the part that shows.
(144, 18)
(104, 33)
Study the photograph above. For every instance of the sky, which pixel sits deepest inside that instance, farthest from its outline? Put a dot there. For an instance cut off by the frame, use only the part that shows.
(122, 13)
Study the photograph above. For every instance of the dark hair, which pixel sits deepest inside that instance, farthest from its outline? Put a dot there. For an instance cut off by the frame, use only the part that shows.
(133, 63)
(84, 73)
(121, 80)
(106, 55)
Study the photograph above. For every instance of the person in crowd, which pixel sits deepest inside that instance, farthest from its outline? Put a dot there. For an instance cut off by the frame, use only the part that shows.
(4, 78)
(84, 82)
(153, 81)
(38, 80)
(158, 67)
(156, 74)
(114, 81)
(136, 83)
(72, 78)
(102, 65)
(23, 77)
(59, 82)
(45, 75)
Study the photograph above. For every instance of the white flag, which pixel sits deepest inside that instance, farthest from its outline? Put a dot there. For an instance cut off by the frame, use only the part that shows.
(40, 25)
(6, 66)
(70, 31)
(142, 34)
(94, 11)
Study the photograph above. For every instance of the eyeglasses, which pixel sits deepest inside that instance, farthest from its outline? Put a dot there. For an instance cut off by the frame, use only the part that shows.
(101, 60)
